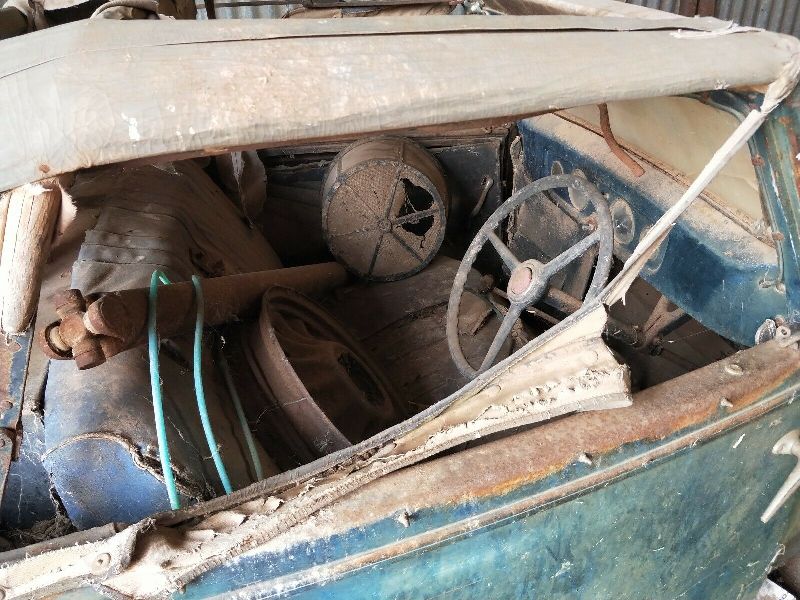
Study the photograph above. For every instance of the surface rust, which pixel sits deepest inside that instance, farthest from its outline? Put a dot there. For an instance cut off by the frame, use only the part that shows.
(8, 349)
(501, 466)
(613, 145)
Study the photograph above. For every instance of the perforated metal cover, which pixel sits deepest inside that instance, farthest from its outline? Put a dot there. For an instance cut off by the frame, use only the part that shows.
(384, 208)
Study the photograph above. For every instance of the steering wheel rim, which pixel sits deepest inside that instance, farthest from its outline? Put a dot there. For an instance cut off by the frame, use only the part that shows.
(529, 279)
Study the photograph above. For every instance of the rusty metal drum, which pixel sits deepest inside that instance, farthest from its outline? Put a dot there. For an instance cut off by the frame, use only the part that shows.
(384, 208)
(320, 378)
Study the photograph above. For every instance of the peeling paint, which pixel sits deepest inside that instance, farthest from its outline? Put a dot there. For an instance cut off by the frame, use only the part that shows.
(565, 567)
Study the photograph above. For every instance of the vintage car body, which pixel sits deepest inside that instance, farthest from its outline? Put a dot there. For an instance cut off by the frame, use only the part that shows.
(546, 524)
(526, 516)
(659, 495)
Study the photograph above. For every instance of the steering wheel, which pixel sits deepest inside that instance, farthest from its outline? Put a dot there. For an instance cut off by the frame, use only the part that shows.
(529, 280)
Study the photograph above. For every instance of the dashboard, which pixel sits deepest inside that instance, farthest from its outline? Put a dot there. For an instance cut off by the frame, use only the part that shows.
(710, 265)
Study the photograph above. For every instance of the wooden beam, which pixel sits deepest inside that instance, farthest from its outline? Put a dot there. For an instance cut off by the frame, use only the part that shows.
(30, 215)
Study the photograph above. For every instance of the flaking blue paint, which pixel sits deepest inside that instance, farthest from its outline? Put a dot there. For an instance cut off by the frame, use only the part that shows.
(686, 526)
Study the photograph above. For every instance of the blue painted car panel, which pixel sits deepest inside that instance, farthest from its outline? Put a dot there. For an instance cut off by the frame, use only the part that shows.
(663, 530)
(776, 144)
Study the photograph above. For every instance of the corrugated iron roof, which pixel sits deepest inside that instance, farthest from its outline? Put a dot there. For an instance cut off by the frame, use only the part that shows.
(782, 16)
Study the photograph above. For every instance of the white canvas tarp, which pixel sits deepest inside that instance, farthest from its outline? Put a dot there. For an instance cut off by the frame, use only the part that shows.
(99, 91)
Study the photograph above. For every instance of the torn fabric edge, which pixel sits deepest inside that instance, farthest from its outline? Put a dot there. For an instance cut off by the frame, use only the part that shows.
(604, 8)
(193, 32)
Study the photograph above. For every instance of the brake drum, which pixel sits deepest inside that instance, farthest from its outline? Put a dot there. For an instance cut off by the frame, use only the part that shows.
(384, 208)
(322, 379)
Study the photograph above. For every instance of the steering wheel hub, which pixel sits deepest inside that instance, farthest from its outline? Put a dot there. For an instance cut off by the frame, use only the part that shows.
(520, 280)
(528, 282)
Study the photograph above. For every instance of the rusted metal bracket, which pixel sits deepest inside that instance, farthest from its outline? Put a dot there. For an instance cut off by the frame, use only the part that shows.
(608, 135)
(665, 318)
(92, 329)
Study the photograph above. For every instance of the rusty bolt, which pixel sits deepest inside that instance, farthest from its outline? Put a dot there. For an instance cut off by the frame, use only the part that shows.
(52, 343)
(72, 330)
(52, 335)
(89, 359)
(93, 320)
(108, 316)
(112, 346)
(88, 354)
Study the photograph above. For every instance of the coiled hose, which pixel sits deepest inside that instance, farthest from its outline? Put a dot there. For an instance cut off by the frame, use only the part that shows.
(197, 369)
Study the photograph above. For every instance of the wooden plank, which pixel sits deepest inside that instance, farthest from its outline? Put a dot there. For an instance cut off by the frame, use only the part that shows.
(31, 216)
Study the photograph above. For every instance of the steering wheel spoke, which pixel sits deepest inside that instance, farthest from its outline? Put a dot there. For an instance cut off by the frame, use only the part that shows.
(562, 260)
(514, 311)
(508, 258)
